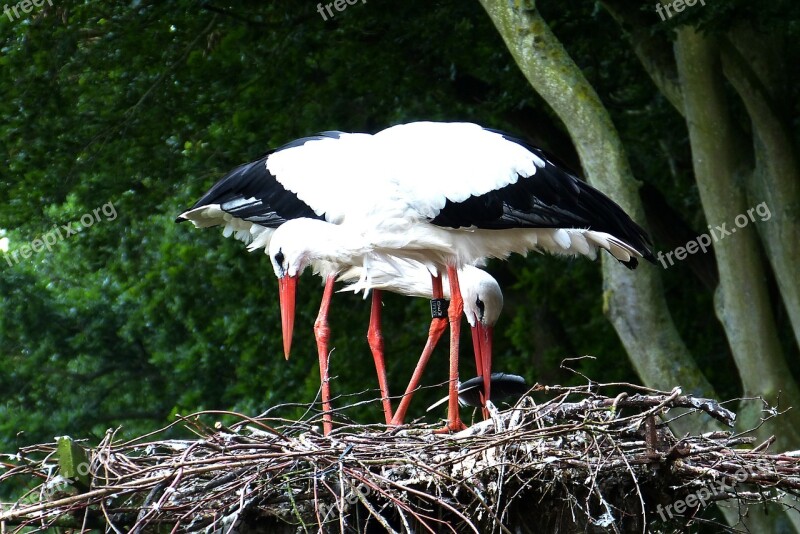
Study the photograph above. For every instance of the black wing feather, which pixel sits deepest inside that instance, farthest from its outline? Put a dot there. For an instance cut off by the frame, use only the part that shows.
(550, 198)
(272, 204)
(504, 386)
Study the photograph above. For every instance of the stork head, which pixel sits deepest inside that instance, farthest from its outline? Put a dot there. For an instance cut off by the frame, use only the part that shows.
(288, 256)
(295, 245)
(483, 302)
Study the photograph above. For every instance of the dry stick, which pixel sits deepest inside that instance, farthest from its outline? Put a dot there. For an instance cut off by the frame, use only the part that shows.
(765, 445)
(400, 504)
(488, 508)
(6, 516)
(638, 490)
(374, 513)
(467, 487)
(235, 414)
(403, 506)
(341, 497)
(178, 476)
(316, 499)
(336, 502)
(108, 519)
(90, 496)
(593, 478)
(424, 496)
(294, 507)
(501, 471)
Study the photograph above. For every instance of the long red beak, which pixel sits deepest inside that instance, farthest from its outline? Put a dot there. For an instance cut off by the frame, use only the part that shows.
(287, 291)
(482, 345)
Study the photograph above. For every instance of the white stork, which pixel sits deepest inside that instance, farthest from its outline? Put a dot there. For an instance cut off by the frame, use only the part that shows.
(483, 302)
(444, 194)
(250, 203)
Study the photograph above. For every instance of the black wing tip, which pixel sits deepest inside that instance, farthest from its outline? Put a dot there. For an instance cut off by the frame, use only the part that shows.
(233, 180)
(504, 386)
(626, 228)
(631, 263)
(643, 249)
(643, 246)
(500, 380)
(251, 173)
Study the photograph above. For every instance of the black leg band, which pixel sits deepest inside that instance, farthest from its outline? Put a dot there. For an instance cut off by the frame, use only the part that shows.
(439, 308)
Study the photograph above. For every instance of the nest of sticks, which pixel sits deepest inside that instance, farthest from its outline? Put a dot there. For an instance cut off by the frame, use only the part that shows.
(579, 461)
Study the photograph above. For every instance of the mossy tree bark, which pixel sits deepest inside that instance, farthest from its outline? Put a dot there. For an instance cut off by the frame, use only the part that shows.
(752, 62)
(741, 299)
(754, 66)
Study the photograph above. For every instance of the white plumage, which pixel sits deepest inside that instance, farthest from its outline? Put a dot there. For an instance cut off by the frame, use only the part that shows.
(385, 184)
(435, 161)
(483, 298)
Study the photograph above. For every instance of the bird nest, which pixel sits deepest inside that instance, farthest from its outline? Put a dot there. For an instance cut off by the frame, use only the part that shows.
(579, 461)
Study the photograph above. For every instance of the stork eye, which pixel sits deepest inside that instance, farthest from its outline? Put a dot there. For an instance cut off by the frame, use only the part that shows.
(481, 307)
(279, 257)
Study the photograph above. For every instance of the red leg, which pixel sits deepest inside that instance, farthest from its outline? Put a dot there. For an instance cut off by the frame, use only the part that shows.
(434, 334)
(322, 333)
(454, 312)
(375, 339)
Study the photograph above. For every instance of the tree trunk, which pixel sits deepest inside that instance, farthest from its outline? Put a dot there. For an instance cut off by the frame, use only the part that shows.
(633, 301)
(750, 65)
(653, 50)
